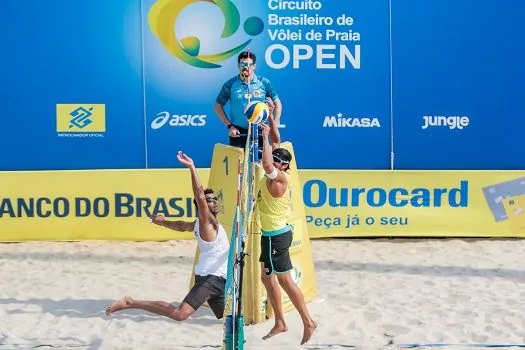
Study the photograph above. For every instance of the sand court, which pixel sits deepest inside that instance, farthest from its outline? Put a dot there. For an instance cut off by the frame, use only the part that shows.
(371, 292)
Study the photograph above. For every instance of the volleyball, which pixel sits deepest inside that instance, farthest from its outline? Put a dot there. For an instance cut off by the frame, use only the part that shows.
(257, 112)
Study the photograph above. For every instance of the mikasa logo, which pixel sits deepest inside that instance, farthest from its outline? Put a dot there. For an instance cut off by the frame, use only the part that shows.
(339, 121)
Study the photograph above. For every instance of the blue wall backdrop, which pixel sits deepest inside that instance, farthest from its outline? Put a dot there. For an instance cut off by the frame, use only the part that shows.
(462, 59)
(70, 52)
(437, 84)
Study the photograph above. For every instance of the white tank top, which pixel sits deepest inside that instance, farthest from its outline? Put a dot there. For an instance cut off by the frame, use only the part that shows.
(213, 256)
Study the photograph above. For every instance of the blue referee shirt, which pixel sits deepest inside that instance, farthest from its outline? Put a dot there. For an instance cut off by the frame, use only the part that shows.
(236, 92)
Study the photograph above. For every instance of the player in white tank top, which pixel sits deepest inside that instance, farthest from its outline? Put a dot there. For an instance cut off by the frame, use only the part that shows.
(213, 256)
(210, 271)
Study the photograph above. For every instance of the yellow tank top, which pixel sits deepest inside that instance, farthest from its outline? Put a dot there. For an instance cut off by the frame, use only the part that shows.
(273, 212)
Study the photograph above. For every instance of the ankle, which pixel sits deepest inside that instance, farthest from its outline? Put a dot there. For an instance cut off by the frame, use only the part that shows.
(308, 322)
(280, 322)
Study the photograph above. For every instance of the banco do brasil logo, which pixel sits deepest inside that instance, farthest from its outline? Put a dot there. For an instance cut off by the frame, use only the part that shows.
(163, 16)
(80, 117)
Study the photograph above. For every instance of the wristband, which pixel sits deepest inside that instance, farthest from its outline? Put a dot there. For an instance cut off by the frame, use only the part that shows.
(273, 174)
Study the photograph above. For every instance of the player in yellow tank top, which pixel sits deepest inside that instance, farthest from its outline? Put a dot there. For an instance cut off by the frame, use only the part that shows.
(273, 212)
(273, 207)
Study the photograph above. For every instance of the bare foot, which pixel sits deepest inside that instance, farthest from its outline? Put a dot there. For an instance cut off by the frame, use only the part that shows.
(277, 329)
(308, 331)
(118, 305)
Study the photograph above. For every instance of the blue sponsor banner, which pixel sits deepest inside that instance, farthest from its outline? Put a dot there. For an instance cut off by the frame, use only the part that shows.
(72, 85)
(125, 84)
(328, 61)
(458, 84)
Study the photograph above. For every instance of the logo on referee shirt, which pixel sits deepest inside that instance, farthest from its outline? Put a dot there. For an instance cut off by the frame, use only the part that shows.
(163, 16)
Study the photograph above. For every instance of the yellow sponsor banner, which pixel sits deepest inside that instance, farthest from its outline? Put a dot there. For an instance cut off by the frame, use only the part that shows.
(82, 118)
(414, 203)
(116, 204)
(105, 205)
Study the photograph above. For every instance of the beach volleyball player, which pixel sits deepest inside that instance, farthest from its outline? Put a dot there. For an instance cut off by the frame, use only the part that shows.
(274, 207)
(212, 265)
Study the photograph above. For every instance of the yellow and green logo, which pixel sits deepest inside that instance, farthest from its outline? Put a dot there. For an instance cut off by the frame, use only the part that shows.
(163, 15)
(81, 118)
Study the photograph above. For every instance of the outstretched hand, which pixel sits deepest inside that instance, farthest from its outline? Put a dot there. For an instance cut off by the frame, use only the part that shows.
(158, 219)
(265, 130)
(184, 159)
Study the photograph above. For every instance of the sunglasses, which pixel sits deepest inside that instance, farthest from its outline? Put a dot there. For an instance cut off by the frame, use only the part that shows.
(211, 199)
(246, 64)
(279, 160)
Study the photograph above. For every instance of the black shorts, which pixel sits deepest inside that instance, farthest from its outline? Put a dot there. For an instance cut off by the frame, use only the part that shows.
(275, 253)
(208, 288)
(241, 140)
